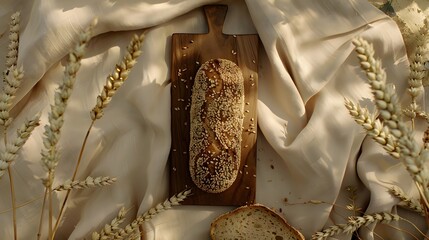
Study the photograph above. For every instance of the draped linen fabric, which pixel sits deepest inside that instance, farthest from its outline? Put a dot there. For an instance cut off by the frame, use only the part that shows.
(308, 147)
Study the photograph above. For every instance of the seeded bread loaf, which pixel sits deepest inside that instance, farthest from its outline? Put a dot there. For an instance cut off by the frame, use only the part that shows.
(216, 117)
(255, 222)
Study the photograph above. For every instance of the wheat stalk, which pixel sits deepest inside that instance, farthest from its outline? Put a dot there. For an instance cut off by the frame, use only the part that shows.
(354, 223)
(115, 80)
(56, 116)
(50, 155)
(406, 201)
(167, 204)
(113, 83)
(109, 229)
(374, 127)
(387, 102)
(89, 182)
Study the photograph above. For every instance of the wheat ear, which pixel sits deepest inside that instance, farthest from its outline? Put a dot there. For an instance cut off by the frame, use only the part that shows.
(109, 229)
(418, 71)
(387, 102)
(167, 204)
(354, 223)
(89, 182)
(62, 94)
(12, 81)
(50, 156)
(12, 54)
(9, 155)
(374, 127)
(406, 201)
(115, 80)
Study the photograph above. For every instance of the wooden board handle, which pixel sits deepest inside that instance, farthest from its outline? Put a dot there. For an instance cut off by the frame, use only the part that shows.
(215, 16)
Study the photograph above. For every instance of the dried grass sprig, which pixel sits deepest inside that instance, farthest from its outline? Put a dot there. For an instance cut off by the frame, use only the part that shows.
(354, 223)
(9, 155)
(115, 80)
(109, 229)
(406, 201)
(167, 204)
(374, 127)
(12, 54)
(89, 182)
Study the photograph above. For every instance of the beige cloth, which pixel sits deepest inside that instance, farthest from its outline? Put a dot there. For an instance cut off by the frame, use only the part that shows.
(307, 66)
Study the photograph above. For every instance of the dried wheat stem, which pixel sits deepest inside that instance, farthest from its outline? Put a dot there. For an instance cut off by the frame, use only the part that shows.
(374, 128)
(109, 229)
(167, 204)
(62, 94)
(113, 83)
(406, 201)
(354, 223)
(50, 156)
(115, 80)
(387, 102)
(12, 55)
(89, 182)
(9, 155)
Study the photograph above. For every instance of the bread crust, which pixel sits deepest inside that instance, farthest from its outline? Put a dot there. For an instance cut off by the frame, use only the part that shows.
(216, 120)
(253, 222)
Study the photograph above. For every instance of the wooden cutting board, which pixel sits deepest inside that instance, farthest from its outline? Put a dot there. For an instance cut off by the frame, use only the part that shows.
(189, 51)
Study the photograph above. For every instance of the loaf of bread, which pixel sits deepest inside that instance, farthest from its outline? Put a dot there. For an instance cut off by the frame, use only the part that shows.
(253, 222)
(216, 120)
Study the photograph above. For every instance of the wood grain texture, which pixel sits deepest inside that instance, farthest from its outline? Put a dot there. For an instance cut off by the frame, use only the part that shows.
(189, 51)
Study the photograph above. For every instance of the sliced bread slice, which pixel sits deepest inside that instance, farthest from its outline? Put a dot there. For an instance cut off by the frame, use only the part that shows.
(253, 222)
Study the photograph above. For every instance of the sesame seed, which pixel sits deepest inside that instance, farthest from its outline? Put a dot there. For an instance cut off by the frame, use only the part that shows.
(245, 165)
(247, 188)
(247, 103)
(184, 48)
(234, 35)
(174, 169)
(192, 41)
(246, 146)
(174, 150)
(198, 63)
(254, 175)
(184, 55)
(247, 111)
(253, 61)
(252, 119)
